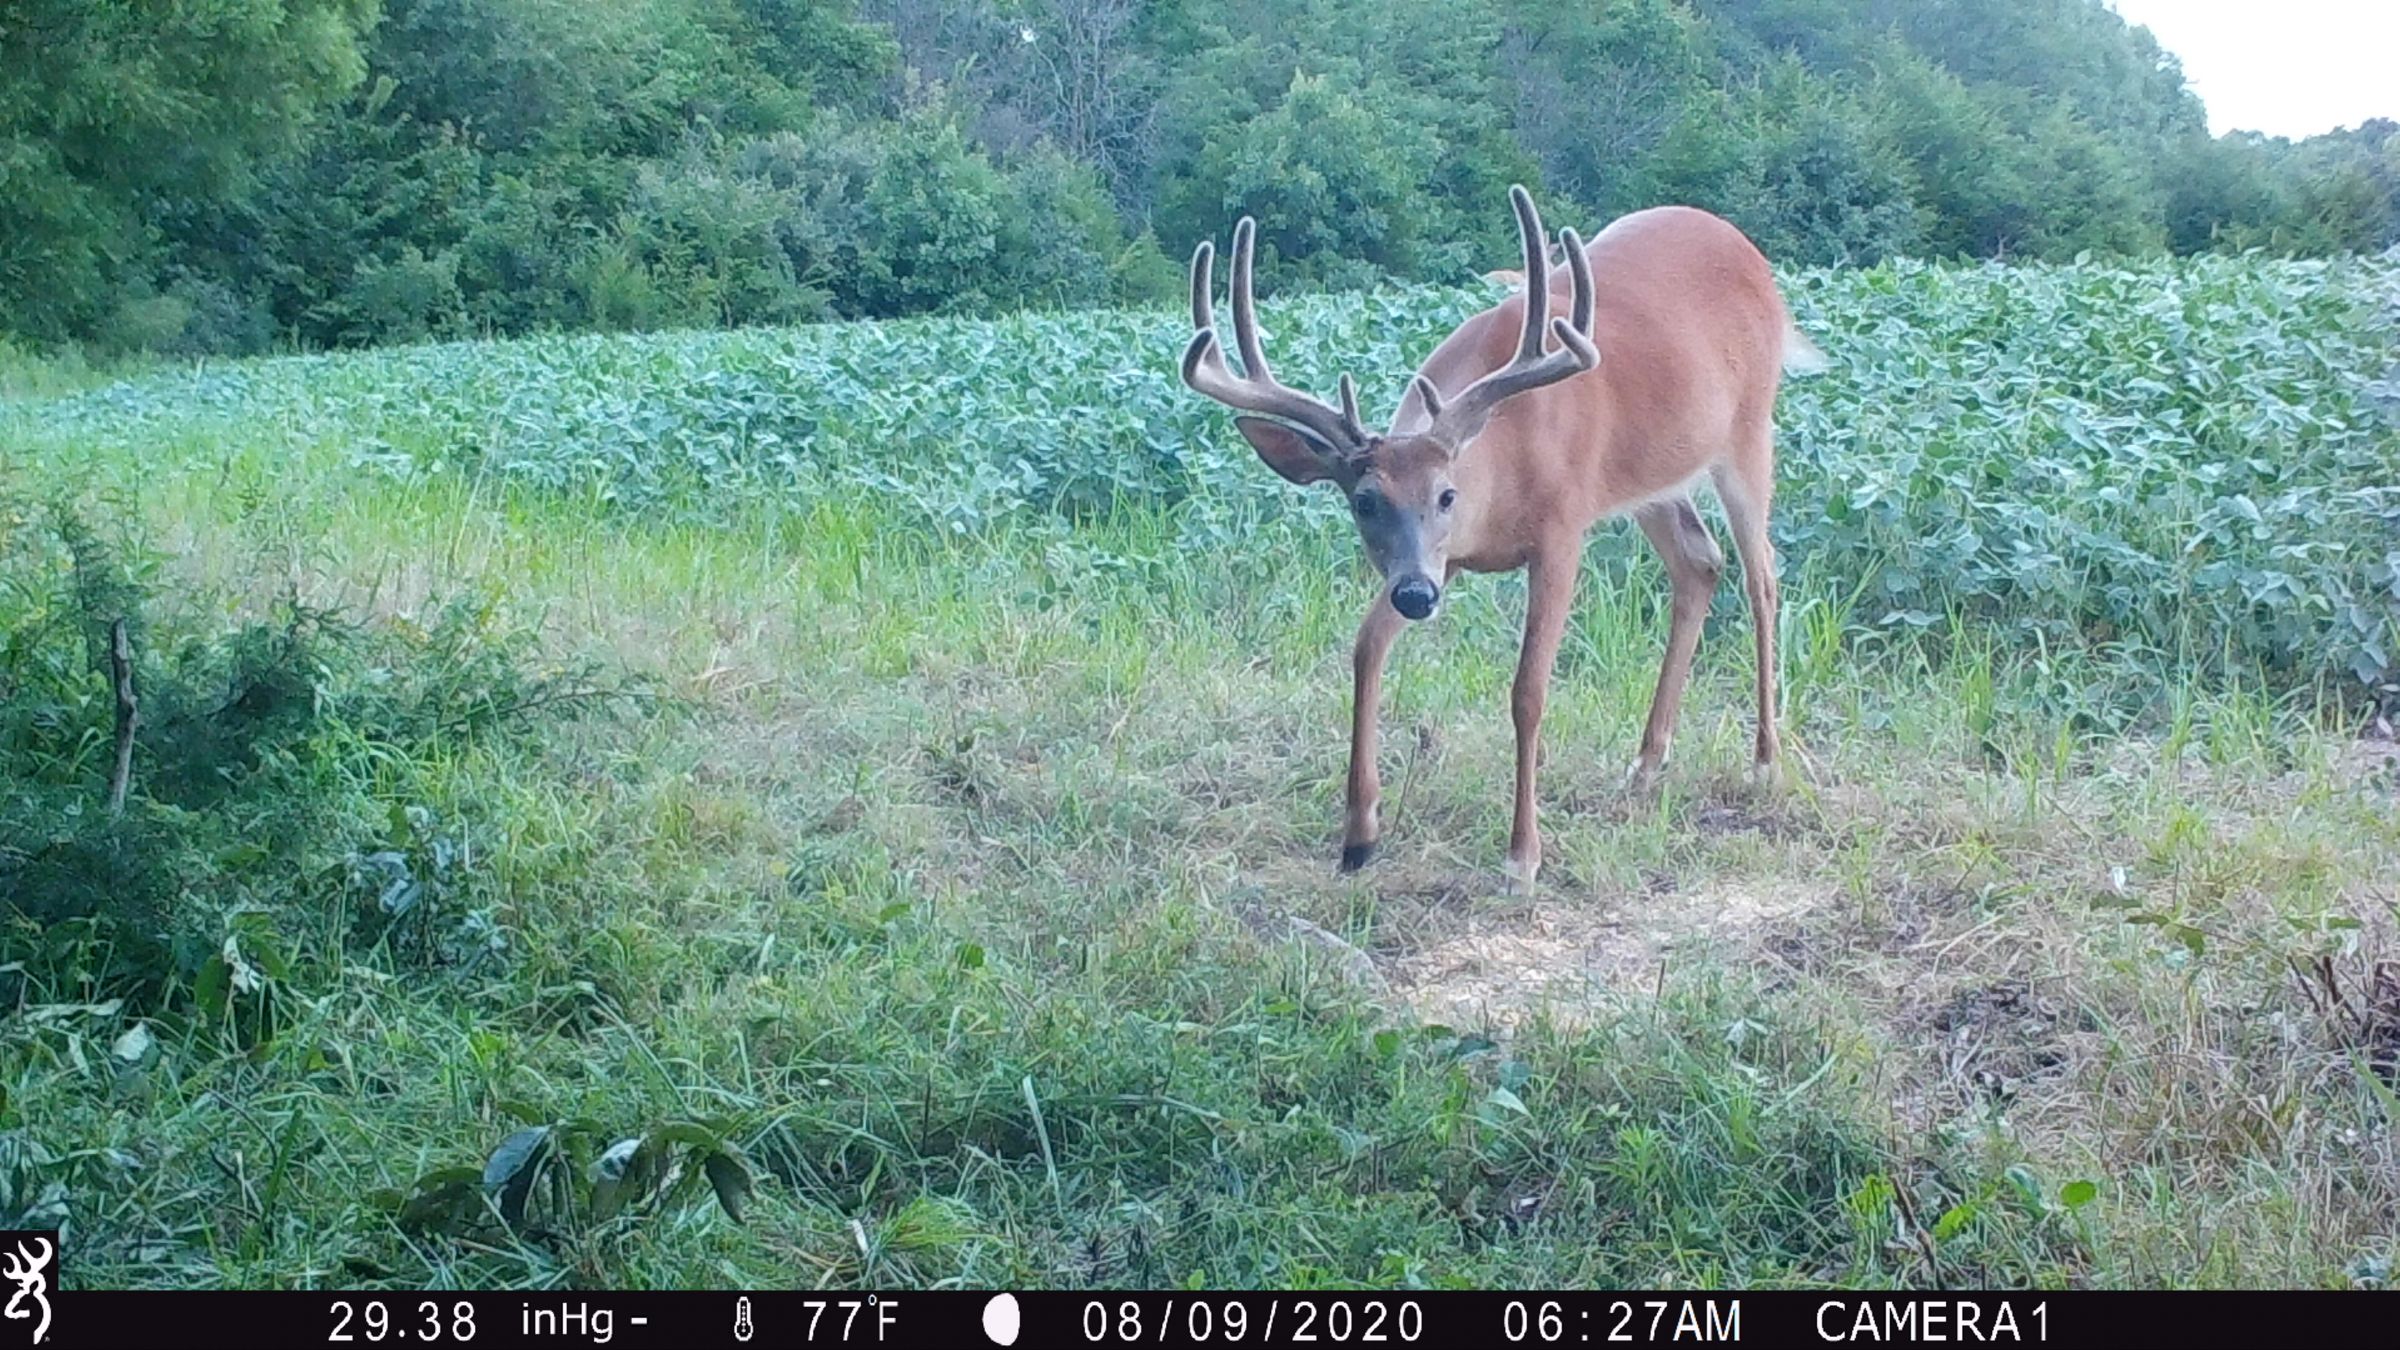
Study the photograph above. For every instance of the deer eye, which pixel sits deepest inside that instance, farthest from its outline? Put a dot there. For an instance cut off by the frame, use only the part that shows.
(1449, 498)
(1364, 504)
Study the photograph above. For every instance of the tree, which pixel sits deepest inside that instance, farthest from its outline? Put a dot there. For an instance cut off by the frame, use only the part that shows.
(230, 175)
(1336, 187)
(1598, 88)
(113, 112)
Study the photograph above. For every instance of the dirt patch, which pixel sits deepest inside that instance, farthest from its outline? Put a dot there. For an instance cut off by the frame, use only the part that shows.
(1992, 1039)
(1566, 960)
(1734, 816)
(2372, 761)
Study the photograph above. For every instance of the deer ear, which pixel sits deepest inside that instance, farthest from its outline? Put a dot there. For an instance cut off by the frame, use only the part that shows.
(1300, 457)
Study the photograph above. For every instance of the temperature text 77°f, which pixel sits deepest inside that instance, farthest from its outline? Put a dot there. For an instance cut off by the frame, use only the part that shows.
(845, 1320)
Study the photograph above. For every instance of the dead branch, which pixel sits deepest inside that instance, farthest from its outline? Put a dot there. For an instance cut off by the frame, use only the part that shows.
(129, 714)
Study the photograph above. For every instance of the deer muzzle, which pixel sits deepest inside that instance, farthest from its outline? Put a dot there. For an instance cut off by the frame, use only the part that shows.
(1415, 597)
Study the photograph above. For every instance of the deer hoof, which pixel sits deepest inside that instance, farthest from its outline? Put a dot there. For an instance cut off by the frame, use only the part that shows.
(1517, 878)
(1766, 775)
(1356, 856)
(1641, 780)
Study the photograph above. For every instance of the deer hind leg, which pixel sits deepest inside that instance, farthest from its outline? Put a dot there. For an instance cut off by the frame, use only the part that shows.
(1360, 824)
(1694, 565)
(1747, 487)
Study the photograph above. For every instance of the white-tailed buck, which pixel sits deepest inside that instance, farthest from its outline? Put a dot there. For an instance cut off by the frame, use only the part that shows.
(1504, 454)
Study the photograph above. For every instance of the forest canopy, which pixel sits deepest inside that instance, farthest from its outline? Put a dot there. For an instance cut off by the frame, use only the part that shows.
(250, 175)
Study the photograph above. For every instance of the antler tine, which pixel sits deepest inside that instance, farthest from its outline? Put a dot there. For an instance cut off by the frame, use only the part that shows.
(1204, 306)
(1245, 310)
(1429, 396)
(1537, 273)
(1579, 271)
(1204, 350)
(1256, 390)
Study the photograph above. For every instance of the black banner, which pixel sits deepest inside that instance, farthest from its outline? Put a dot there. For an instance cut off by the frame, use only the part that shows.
(366, 1320)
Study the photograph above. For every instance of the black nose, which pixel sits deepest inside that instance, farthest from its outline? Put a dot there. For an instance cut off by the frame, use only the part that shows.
(1414, 598)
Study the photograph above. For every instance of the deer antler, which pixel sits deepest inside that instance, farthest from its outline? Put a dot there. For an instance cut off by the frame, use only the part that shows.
(1456, 421)
(1257, 390)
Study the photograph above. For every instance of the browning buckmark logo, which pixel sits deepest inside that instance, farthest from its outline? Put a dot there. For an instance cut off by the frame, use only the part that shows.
(28, 1264)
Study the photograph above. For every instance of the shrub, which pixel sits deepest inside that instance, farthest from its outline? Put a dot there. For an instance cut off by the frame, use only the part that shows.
(263, 788)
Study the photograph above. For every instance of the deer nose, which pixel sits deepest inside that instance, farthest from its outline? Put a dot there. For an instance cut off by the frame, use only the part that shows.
(1414, 598)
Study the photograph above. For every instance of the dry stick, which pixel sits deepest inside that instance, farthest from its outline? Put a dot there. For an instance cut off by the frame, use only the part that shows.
(129, 714)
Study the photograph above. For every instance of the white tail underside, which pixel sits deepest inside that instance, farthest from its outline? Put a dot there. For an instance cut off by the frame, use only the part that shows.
(1801, 356)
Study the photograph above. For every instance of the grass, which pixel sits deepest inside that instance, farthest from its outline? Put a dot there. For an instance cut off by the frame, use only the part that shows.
(954, 874)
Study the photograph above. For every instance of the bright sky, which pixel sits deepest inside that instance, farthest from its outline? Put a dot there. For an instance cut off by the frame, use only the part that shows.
(2285, 67)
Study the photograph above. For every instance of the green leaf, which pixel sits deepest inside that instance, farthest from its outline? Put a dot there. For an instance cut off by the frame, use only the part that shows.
(927, 1224)
(2077, 1194)
(970, 956)
(134, 1044)
(613, 1164)
(441, 1201)
(209, 986)
(691, 1132)
(1507, 1100)
(512, 1168)
(515, 1153)
(731, 1181)
(621, 1174)
(1954, 1221)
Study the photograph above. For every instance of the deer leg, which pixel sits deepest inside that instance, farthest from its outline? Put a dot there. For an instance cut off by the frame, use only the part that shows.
(1549, 596)
(1694, 564)
(1360, 826)
(1746, 489)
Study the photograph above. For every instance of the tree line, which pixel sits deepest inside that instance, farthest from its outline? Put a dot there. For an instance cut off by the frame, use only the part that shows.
(248, 175)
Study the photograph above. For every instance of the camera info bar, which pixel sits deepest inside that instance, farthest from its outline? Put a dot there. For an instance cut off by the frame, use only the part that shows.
(902, 1320)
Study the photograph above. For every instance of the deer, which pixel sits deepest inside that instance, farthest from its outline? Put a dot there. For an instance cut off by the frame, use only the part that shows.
(1506, 451)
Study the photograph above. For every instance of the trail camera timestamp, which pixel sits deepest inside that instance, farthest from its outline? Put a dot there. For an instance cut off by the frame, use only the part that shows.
(1680, 1321)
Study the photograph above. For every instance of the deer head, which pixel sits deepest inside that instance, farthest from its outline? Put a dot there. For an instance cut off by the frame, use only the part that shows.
(1403, 495)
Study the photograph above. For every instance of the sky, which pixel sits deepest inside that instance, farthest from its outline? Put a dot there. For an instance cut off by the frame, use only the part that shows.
(2285, 67)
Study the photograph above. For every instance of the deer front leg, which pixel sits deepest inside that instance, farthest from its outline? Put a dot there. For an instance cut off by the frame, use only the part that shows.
(1360, 827)
(1550, 595)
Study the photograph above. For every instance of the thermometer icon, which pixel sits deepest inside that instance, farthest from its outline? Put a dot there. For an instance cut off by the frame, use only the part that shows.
(741, 1318)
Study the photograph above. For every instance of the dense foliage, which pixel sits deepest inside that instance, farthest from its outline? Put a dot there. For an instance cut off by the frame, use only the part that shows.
(2189, 457)
(260, 173)
(258, 743)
